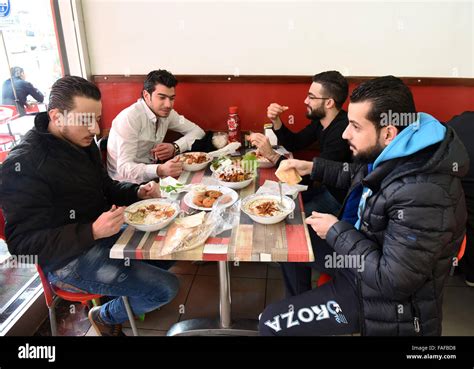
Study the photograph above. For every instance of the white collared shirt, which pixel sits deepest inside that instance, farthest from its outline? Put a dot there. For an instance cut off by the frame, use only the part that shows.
(134, 132)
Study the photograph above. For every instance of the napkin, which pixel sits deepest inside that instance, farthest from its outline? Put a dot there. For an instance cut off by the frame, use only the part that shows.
(170, 185)
(272, 187)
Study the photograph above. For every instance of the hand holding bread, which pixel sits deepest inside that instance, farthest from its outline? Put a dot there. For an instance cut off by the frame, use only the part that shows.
(291, 170)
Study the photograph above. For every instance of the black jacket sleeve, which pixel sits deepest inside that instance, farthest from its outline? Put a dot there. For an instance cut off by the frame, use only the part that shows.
(411, 246)
(119, 193)
(33, 91)
(297, 141)
(27, 202)
(333, 173)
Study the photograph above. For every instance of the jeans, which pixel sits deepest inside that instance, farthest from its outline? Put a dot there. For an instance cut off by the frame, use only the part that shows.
(147, 284)
(297, 276)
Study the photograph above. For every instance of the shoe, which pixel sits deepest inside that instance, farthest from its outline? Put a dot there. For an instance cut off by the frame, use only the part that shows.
(103, 329)
(469, 282)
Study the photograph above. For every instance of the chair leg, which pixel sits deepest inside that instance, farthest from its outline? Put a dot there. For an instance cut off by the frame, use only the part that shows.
(453, 267)
(52, 321)
(131, 318)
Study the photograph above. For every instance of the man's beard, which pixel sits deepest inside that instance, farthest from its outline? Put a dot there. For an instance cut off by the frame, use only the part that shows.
(316, 114)
(369, 155)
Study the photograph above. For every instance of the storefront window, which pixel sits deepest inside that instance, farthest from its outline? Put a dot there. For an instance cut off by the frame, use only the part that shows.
(30, 44)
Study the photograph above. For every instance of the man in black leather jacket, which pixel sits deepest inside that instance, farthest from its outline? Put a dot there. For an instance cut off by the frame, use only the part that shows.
(392, 245)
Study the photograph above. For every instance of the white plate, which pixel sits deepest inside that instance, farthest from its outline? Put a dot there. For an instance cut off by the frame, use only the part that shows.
(287, 202)
(155, 226)
(188, 198)
(195, 167)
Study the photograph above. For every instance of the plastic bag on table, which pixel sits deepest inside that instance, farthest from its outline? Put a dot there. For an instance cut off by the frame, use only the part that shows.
(192, 232)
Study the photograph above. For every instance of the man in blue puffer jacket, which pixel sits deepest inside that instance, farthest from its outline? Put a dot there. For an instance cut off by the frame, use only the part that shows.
(392, 245)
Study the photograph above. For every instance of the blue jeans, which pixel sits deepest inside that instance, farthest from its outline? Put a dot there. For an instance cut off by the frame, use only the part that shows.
(147, 284)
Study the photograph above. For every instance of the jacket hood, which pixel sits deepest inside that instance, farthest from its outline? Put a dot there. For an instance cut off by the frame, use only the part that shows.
(424, 132)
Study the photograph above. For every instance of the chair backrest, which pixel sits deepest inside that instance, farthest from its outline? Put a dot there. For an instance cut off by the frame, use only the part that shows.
(13, 108)
(3, 155)
(102, 143)
(2, 225)
(48, 291)
(462, 248)
(8, 113)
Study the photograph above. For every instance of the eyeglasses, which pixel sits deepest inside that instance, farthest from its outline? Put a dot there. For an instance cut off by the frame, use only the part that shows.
(318, 98)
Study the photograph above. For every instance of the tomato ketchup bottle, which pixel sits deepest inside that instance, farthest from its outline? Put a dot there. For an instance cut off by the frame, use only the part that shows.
(233, 124)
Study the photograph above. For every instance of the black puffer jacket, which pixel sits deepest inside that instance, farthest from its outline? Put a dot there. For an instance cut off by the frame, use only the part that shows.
(411, 229)
(51, 192)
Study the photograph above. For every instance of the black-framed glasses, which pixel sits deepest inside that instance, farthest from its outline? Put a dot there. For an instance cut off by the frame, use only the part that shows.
(318, 98)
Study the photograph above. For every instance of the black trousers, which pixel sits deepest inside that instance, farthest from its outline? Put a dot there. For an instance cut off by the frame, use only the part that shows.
(297, 276)
(331, 309)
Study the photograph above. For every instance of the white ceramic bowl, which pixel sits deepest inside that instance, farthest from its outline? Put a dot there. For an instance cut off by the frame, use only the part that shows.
(287, 202)
(155, 226)
(195, 167)
(234, 185)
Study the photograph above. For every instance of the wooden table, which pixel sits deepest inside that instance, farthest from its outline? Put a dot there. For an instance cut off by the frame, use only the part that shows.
(246, 242)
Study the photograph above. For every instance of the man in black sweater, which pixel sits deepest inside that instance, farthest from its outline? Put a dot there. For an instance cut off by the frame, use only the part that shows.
(326, 95)
(324, 101)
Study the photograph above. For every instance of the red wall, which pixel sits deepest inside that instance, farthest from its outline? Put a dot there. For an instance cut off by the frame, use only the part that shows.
(206, 103)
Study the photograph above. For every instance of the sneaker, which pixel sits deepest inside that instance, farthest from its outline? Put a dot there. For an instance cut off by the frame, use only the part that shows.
(470, 282)
(101, 327)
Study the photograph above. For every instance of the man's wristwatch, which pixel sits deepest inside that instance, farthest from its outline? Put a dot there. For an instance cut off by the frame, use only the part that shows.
(176, 148)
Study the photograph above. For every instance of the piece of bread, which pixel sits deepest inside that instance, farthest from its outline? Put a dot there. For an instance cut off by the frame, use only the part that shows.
(289, 176)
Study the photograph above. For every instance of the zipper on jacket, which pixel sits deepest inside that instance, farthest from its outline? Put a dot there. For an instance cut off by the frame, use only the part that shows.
(361, 305)
(416, 323)
(416, 316)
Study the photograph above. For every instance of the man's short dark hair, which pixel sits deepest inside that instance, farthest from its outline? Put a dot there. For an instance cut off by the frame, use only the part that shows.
(65, 89)
(161, 77)
(334, 85)
(389, 97)
(16, 72)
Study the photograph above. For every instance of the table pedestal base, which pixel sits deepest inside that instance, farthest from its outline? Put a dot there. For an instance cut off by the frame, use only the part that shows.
(212, 327)
(223, 326)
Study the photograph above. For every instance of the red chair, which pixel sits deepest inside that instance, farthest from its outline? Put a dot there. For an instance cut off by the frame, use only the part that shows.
(323, 278)
(3, 155)
(459, 256)
(7, 114)
(52, 294)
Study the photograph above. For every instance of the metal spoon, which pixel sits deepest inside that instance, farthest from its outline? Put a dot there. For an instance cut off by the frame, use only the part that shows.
(281, 204)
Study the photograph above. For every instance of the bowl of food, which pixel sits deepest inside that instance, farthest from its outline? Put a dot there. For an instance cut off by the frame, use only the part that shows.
(234, 177)
(194, 161)
(221, 162)
(205, 200)
(266, 208)
(152, 214)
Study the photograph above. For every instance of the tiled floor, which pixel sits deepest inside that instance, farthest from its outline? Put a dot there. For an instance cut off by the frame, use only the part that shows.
(254, 286)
